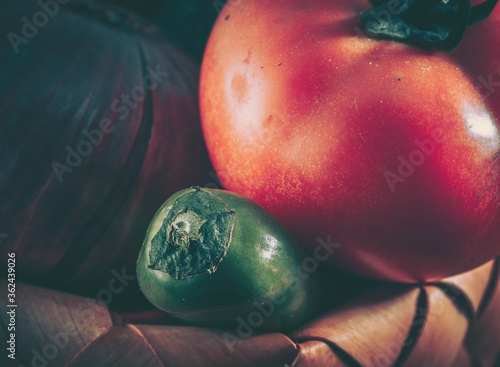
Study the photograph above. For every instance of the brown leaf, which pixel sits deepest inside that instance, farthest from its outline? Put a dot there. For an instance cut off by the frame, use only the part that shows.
(119, 346)
(54, 326)
(390, 325)
(442, 334)
(483, 339)
(190, 346)
(372, 328)
(316, 353)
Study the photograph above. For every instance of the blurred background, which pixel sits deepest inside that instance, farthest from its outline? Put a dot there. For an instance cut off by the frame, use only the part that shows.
(187, 23)
(51, 118)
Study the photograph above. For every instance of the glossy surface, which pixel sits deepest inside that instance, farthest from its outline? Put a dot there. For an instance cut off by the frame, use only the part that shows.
(262, 280)
(390, 150)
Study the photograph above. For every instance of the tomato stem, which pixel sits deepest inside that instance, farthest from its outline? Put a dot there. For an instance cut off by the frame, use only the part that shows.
(429, 24)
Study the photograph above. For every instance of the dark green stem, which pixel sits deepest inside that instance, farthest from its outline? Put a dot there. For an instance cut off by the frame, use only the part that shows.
(429, 24)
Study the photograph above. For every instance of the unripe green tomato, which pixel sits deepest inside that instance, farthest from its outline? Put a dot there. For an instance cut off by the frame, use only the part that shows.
(215, 258)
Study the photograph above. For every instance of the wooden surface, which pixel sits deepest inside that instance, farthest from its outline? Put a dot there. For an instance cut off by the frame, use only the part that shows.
(453, 323)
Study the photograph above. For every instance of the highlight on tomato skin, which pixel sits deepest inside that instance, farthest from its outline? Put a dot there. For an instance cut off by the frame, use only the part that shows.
(215, 258)
(390, 149)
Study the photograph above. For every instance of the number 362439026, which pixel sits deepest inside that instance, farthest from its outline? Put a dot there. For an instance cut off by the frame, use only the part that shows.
(11, 277)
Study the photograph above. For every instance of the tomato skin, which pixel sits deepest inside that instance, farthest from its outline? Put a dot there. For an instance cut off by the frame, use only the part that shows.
(314, 121)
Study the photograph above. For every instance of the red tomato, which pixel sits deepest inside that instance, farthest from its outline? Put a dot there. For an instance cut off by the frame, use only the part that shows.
(386, 149)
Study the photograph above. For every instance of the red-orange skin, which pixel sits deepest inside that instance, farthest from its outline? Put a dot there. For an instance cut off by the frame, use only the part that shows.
(306, 116)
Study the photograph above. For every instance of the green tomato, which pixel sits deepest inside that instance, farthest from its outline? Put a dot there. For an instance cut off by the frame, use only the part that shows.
(215, 258)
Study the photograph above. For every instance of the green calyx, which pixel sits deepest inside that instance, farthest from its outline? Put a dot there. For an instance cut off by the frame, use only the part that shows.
(194, 236)
(430, 24)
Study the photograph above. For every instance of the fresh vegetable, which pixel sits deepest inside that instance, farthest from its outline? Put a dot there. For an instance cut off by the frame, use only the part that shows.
(390, 149)
(99, 123)
(212, 257)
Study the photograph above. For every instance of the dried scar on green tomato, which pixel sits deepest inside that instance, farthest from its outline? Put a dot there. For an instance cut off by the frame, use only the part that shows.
(215, 258)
